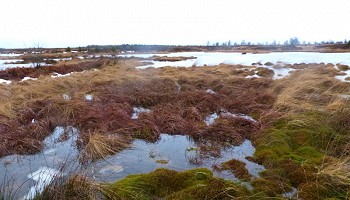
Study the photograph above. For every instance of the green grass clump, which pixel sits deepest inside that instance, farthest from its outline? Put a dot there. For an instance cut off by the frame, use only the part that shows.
(294, 150)
(169, 184)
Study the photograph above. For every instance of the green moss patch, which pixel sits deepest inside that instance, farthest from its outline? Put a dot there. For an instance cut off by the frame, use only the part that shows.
(293, 150)
(169, 184)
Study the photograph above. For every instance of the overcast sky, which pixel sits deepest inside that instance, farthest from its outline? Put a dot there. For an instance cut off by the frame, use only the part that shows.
(62, 23)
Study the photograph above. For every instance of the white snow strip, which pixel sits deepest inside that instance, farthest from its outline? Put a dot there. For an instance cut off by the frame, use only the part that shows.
(225, 113)
(253, 76)
(5, 81)
(28, 78)
(56, 75)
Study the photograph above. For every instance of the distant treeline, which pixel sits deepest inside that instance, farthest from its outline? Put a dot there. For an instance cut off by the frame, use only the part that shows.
(293, 45)
(142, 48)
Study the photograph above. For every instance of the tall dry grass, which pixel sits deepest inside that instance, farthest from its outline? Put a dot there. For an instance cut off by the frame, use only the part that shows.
(75, 187)
(100, 146)
(309, 89)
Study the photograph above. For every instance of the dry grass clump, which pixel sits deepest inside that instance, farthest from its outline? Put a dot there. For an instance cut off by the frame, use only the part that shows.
(100, 146)
(238, 168)
(75, 187)
(21, 72)
(309, 89)
(169, 121)
(264, 72)
(99, 116)
(171, 59)
(338, 171)
(343, 67)
(204, 102)
(137, 90)
(229, 129)
(22, 138)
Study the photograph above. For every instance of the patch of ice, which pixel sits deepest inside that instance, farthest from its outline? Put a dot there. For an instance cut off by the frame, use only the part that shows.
(344, 77)
(59, 133)
(137, 111)
(89, 97)
(209, 120)
(43, 173)
(5, 81)
(50, 151)
(225, 113)
(111, 169)
(43, 177)
(28, 78)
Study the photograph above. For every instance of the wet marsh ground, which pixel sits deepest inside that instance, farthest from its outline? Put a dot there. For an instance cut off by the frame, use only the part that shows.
(299, 126)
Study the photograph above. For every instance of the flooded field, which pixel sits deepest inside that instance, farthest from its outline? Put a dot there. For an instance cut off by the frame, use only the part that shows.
(215, 58)
(270, 125)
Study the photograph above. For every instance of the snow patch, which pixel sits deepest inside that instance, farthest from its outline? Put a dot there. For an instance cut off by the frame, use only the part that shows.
(253, 76)
(89, 97)
(66, 97)
(56, 75)
(137, 111)
(247, 117)
(209, 120)
(28, 78)
(5, 81)
(210, 91)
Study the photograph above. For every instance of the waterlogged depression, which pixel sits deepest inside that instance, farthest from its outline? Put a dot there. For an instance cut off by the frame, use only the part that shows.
(29, 174)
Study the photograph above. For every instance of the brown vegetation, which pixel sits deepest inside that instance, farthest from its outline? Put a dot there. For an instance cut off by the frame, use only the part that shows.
(20, 73)
(177, 98)
(238, 168)
(171, 59)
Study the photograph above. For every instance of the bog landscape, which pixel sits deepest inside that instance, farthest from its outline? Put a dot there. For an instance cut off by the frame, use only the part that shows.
(175, 122)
